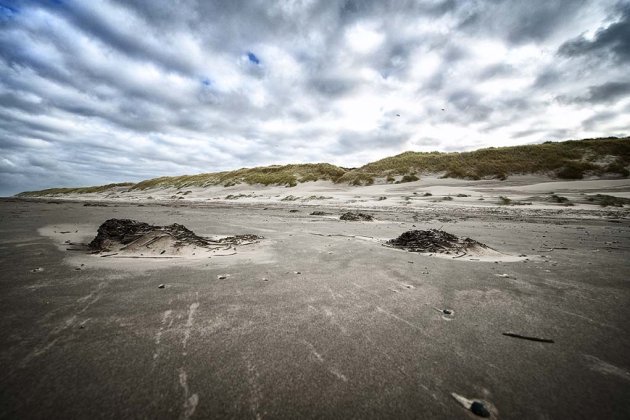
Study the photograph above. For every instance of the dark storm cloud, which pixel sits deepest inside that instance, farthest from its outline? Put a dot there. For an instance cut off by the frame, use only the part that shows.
(609, 92)
(112, 90)
(519, 21)
(612, 40)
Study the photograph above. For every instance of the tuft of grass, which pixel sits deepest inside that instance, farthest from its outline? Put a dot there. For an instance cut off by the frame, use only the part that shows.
(618, 167)
(290, 198)
(607, 200)
(409, 178)
(236, 197)
(358, 179)
(559, 199)
(317, 197)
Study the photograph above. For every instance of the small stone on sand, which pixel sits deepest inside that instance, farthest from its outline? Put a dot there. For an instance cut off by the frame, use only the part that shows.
(479, 409)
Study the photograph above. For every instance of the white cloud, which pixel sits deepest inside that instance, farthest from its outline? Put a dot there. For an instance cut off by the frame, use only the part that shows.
(113, 90)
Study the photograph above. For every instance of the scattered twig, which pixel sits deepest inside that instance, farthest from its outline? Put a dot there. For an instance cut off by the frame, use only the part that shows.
(141, 257)
(524, 337)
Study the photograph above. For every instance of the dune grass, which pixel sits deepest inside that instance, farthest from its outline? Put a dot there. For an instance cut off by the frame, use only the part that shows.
(571, 159)
(607, 200)
(288, 175)
(78, 190)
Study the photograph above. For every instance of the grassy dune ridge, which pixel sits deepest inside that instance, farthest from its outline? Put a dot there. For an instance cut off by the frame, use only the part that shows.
(571, 159)
(77, 190)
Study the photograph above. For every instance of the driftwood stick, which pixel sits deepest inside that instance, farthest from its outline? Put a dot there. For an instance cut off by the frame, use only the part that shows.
(524, 337)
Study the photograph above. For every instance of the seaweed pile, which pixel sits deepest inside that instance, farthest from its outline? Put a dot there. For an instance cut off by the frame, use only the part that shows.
(354, 217)
(434, 241)
(131, 235)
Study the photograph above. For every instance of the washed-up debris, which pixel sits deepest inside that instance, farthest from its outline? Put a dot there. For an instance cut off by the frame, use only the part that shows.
(37, 270)
(447, 311)
(223, 276)
(434, 241)
(525, 337)
(127, 231)
(133, 236)
(354, 217)
(161, 286)
(95, 205)
(477, 407)
(293, 211)
(319, 213)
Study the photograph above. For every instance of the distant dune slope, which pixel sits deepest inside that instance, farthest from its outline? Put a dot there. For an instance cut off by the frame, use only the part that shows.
(573, 159)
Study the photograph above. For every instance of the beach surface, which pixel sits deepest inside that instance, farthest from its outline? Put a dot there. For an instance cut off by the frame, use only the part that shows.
(318, 319)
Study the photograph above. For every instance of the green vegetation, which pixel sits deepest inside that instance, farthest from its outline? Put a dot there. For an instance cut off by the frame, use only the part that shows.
(288, 175)
(571, 159)
(80, 190)
(357, 178)
(409, 178)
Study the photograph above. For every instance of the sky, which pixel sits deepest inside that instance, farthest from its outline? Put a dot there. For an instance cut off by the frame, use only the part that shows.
(94, 92)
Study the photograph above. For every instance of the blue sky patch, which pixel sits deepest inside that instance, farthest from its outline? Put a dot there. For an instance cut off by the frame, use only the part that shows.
(252, 58)
(7, 12)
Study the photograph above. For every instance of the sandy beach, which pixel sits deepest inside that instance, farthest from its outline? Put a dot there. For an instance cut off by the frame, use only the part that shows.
(319, 319)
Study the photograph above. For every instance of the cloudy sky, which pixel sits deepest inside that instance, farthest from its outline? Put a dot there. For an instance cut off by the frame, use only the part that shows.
(93, 92)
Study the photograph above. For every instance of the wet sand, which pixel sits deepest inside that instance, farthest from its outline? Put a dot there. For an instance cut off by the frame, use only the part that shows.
(319, 320)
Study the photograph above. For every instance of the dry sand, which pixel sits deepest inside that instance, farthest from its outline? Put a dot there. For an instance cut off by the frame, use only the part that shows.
(319, 319)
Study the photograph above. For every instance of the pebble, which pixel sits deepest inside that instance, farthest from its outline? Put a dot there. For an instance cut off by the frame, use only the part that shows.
(479, 409)
(447, 311)
(37, 270)
(161, 286)
(297, 272)
(222, 276)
